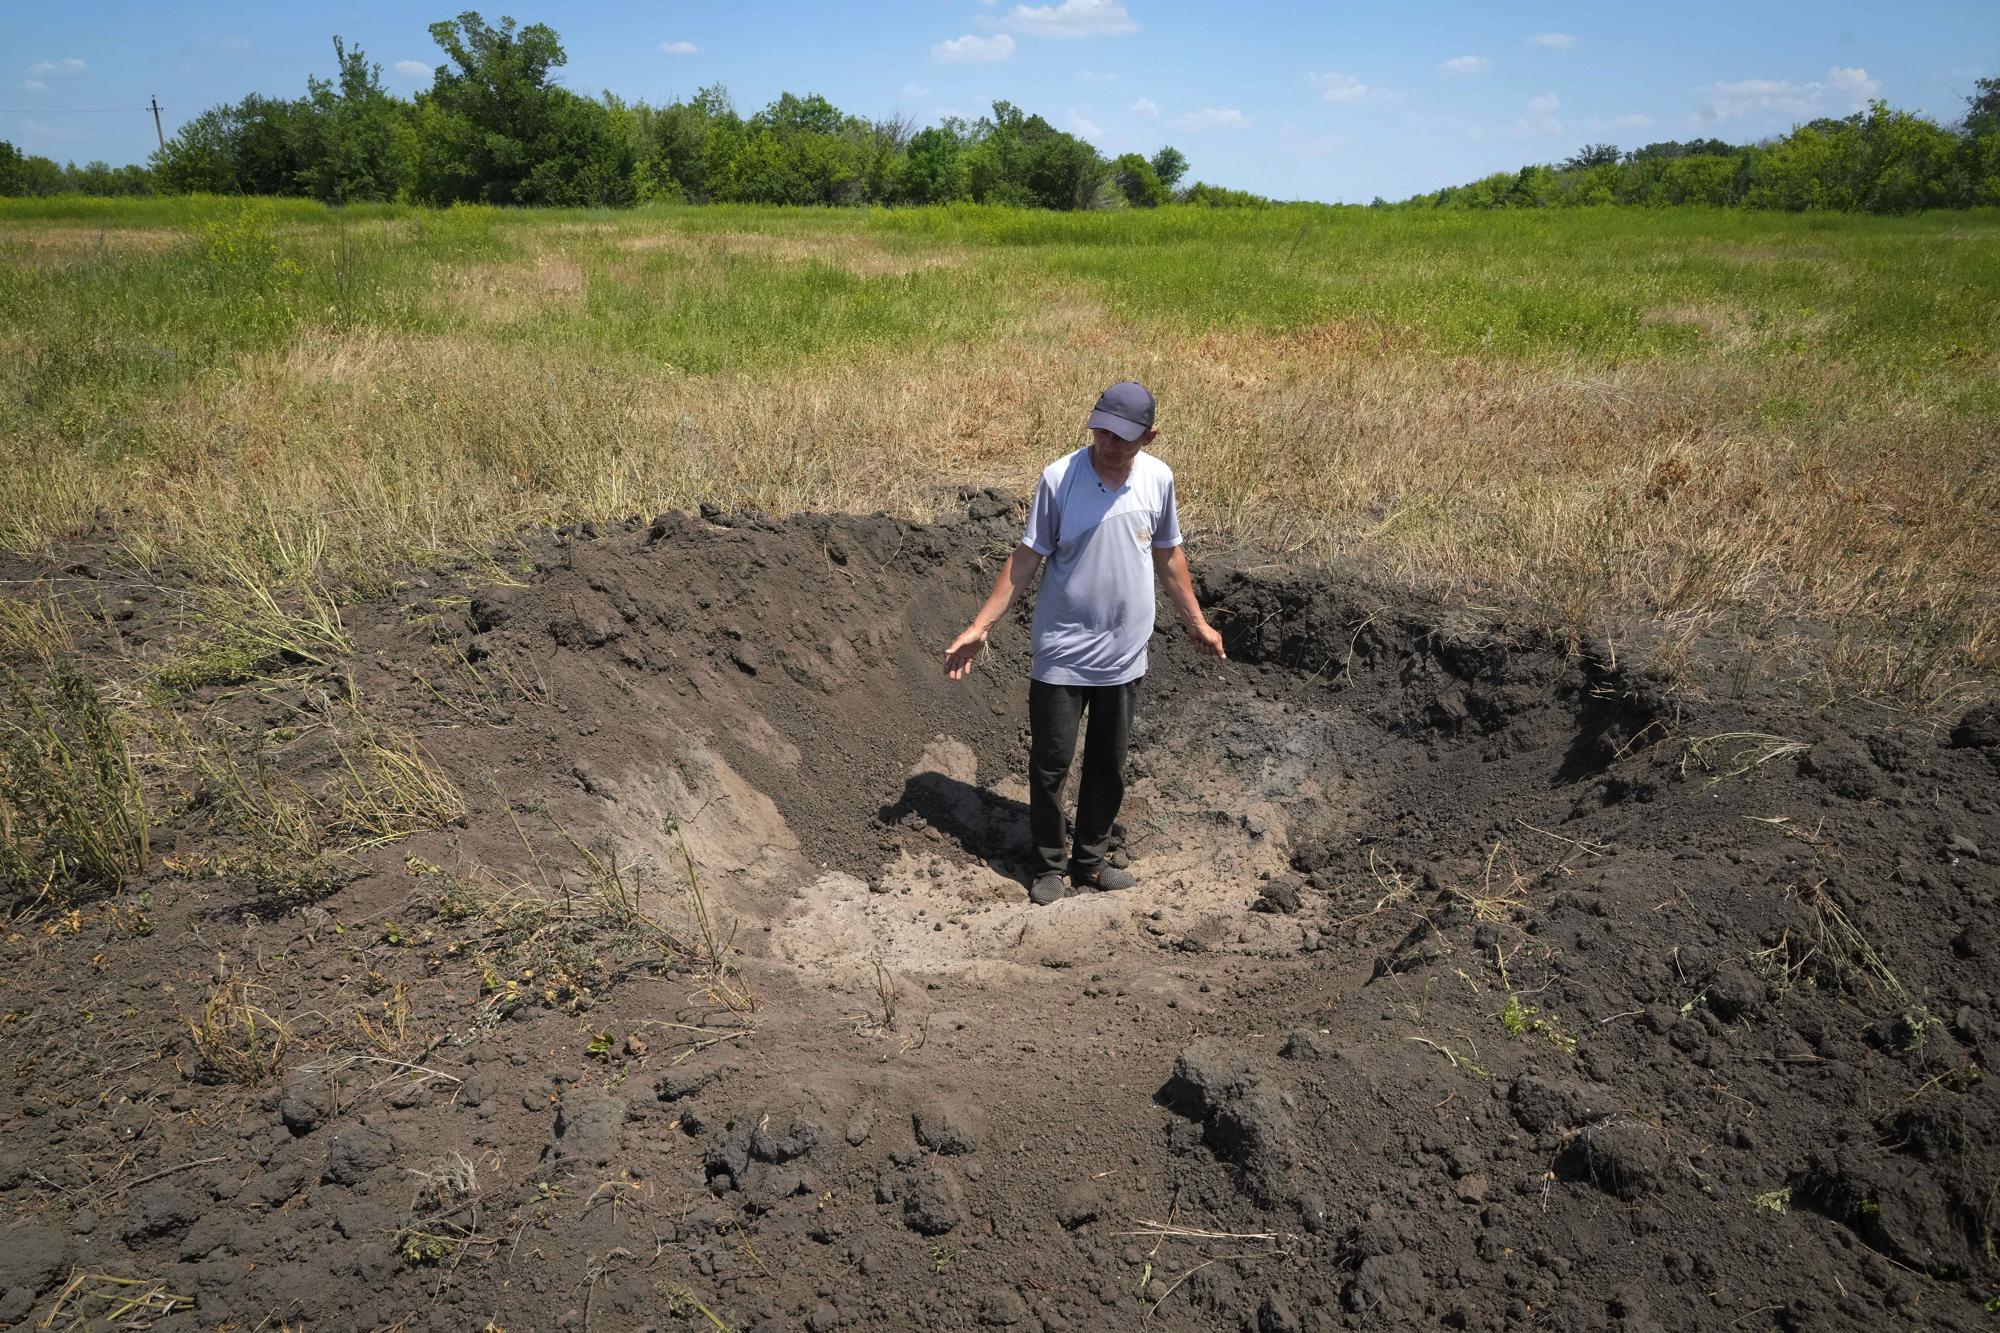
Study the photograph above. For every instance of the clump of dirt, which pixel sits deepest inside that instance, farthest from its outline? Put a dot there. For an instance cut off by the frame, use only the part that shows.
(1476, 977)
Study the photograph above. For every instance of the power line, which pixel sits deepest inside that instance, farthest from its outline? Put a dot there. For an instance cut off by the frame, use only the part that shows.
(70, 110)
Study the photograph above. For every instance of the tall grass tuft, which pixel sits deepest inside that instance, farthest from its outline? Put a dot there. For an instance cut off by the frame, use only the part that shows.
(72, 814)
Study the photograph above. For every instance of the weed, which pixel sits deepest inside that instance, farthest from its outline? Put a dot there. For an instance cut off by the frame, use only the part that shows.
(724, 985)
(35, 630)
(213, 664)
(236, 1039)
(445, 1214)
(682, 1303)
(284, 846)
(885, 993)
(549, 942)
(387, 1030)
(97, 1300)
(1457, 1061)
(250, 611)
(72, 812)
(1736, 752)
(1500, 891)
(1840, 950)
(1778, 1200)
(1521, 1019)
(392, 787)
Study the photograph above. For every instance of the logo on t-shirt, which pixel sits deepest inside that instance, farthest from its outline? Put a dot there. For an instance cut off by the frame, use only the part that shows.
(1140, 533)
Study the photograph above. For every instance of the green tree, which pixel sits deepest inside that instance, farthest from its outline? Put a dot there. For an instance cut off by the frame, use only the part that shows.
(355, 136)
(1982, 109)
(1205, 195)
(670, 144)
(252, 147)
(934, 166)
(1592, 155)
(1672, 148)
(493, 129)
(1169, 164)
(1138, 184)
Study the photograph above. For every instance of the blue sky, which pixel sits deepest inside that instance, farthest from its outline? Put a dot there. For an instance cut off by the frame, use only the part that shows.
(1297, 100)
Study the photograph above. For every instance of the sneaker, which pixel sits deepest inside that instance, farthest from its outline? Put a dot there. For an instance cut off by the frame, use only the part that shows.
(1047, 888)
(1106, 879)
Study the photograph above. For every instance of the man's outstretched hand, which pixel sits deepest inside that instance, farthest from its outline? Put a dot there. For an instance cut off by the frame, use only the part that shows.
(958, 657)
(1206, 640)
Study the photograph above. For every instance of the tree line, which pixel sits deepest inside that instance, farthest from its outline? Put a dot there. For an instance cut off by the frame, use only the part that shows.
(495, 128)
(1876, 161)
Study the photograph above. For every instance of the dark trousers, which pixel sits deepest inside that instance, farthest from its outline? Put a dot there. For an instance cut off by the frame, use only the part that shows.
(1053, 714)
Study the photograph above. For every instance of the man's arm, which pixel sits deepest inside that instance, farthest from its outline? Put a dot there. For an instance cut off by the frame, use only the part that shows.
(1015, 575)
(1170, 563)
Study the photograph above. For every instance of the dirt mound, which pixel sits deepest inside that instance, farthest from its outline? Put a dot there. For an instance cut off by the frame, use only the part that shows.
(1476, 977)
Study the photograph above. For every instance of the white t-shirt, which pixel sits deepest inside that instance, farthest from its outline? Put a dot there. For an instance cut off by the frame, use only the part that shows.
(1094, 612)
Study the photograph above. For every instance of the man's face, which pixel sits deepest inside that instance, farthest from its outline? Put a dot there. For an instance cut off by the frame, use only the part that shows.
(1115, 453)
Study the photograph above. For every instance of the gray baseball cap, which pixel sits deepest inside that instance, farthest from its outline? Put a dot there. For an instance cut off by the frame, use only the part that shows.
(1125, 409)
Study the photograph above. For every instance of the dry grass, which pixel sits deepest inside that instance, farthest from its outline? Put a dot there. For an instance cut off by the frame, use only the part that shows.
(58, 244)
(93, 1301)
(35, 628)
(1629, 487)
(504, 294)
(864, 257)
(236, 1038)
(282, 838)
(73, 810)
(391, 786)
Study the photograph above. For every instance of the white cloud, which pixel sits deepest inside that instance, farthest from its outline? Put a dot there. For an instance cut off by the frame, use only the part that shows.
(1466, 65)
(1305, 145)
(679, 49)
(1214, 118)
(414, 69)
(1146, 107)
(915, 90)
(974, 48)
(1540, 117)
(1554, 41)
(236, 43)
(1850, 84)
(1083, 125)
(1073, 18)
(33, 86)
(1092, 76)
(1844, 89)
(1343, 88)
(41, 69)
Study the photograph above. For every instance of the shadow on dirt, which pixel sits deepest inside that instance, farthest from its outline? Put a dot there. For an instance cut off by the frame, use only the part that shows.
(987, 825)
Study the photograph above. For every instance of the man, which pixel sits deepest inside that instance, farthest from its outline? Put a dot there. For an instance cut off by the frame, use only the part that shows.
(1104, 519)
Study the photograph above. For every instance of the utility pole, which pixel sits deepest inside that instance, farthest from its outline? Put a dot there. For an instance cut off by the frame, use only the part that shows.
(158, 133)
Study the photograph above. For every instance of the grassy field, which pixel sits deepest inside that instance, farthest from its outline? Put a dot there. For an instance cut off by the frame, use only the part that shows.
(1752, 424)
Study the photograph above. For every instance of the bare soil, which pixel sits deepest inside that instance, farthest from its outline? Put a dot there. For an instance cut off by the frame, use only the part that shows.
(1475, 979)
